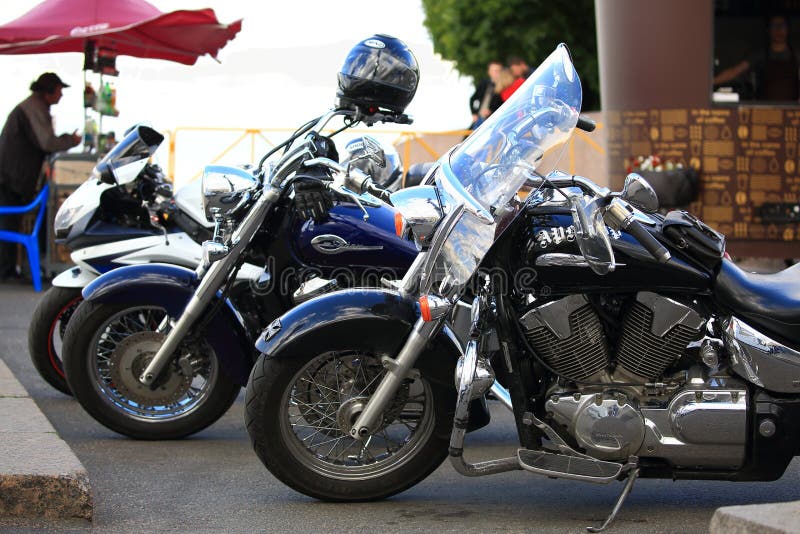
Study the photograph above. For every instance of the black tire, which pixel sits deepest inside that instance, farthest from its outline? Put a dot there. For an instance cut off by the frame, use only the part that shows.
(46, 333)
(97, 396)
(269, 389)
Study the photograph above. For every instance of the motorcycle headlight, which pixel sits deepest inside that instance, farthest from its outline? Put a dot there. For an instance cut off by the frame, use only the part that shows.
(64, 220)
(421, 211)
(224, 188)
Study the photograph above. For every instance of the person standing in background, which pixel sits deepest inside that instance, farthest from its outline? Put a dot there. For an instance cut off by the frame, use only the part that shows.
(507, 84)
(485, 101)
(26, 139)
(519, 67)
(773, 69)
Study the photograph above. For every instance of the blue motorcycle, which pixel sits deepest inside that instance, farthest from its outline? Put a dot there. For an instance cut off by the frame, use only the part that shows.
(160, 351)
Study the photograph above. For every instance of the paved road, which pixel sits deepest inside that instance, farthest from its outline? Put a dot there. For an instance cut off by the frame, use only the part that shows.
(213, 481)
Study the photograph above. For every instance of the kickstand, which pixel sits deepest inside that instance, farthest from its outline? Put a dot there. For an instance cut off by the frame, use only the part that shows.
(632, 475)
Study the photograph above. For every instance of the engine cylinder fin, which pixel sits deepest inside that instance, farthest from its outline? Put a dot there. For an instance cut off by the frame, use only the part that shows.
(645, 354)
(581, 354)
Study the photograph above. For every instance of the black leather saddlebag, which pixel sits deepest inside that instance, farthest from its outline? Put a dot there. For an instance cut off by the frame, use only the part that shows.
(694, 237)
(675, 188)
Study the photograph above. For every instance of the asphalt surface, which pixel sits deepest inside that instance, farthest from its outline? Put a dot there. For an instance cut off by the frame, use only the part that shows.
(214, 482)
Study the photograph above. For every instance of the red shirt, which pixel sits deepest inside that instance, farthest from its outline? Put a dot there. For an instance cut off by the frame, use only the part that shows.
(506, 93)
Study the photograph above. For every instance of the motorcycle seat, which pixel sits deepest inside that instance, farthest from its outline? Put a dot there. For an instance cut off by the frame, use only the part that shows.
(767, 302)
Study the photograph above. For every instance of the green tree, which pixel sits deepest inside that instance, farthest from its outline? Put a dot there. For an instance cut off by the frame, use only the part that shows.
(474, 33)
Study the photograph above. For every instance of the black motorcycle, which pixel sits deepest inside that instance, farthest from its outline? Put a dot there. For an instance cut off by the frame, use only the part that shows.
(629, 346)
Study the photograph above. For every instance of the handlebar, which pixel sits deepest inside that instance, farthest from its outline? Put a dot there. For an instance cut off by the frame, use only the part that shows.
(620, 216)
(586, 124)
(353, 182)
(379, 116)
(646, 239)
(566, 180)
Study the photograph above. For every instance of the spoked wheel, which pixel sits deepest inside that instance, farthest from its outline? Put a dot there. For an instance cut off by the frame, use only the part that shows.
(107, 348)
(46, 333)
(299, 414)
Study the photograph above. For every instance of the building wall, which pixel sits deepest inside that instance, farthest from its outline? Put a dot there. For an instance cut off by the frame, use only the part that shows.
(655, 59)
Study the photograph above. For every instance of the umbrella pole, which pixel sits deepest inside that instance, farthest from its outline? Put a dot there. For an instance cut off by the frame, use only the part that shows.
(85, 115)
(100, 114)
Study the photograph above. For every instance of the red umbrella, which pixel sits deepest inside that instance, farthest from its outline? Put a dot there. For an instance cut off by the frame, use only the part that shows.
(128, 27)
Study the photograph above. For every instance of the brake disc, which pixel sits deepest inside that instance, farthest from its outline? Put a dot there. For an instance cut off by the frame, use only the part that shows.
(131, 357)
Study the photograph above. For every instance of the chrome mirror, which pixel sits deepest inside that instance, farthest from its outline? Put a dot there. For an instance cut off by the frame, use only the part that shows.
(639, 193)
(366, 148)
(381, 162)
(224, 188)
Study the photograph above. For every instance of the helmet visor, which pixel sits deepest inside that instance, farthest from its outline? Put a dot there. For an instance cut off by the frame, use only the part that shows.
(379, 65)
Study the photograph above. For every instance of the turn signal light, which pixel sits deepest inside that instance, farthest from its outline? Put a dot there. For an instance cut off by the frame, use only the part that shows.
(425, 308)
(432, 307)
(399, 224)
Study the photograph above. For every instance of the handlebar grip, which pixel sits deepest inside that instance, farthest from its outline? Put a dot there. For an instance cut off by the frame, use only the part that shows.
(379, 192)
(586, 124)
(656, 249)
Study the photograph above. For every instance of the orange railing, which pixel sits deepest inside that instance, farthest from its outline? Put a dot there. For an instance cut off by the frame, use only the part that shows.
(248, 144)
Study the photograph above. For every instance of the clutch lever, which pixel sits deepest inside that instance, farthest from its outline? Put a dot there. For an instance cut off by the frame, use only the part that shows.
(349, 182)
(343, 191)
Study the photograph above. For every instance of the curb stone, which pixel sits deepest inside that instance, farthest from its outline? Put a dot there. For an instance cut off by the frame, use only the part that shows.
(774, 518)
(40, 476)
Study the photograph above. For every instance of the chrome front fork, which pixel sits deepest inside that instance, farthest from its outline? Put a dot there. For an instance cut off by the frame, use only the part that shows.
(397, 370)
(202, 296)
(212, 279)
(400, 368)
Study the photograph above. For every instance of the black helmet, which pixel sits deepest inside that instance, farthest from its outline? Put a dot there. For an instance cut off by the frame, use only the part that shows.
(379, 72)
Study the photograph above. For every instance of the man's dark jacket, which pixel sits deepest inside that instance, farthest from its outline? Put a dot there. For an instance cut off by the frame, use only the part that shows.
(25, 141)
(477, 97)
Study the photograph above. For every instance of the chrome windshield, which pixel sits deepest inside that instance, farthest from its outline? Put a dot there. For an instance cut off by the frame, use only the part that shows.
(525, 136)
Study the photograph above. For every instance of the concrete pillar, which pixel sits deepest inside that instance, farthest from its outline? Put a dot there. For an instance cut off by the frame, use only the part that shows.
(655, 53)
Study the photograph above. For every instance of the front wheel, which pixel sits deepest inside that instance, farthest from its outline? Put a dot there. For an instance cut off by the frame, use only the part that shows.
(107, 346)
(46, 333)
(299, 412)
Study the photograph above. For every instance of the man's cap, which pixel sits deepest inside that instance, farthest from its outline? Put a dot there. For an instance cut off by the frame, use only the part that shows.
(47, 83)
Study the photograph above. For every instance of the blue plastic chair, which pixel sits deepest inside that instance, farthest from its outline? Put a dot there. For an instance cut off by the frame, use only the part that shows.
(30, 241)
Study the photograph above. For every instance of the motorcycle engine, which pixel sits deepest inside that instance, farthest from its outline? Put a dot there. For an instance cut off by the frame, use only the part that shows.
(614, 410)
(568, 335)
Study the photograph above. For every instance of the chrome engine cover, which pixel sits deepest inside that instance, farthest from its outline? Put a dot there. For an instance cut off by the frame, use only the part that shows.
(762, 360)
(608, 426)
(313, 288)
(701, 428)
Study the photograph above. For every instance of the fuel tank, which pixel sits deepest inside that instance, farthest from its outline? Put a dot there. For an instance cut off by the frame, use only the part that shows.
(552, 255)
(345, 240)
